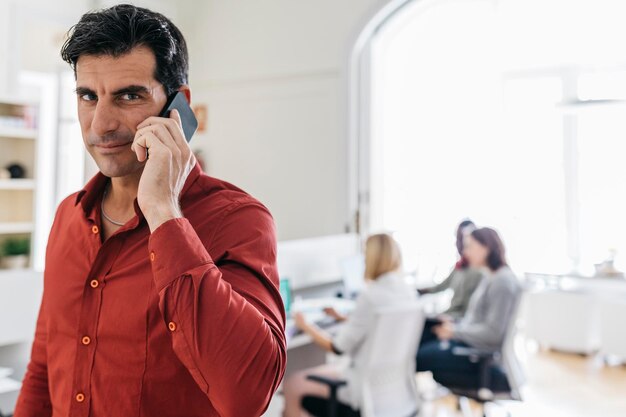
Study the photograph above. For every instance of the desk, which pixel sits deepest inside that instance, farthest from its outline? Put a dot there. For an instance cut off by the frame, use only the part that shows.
(302, 353)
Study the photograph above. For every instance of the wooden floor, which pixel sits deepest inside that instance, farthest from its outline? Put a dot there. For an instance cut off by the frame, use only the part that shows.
(559, 385)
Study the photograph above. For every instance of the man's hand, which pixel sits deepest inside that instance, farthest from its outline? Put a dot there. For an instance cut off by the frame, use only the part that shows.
(170, 162)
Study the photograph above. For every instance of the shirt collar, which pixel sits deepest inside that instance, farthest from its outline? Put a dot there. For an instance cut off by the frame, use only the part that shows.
(93, 190)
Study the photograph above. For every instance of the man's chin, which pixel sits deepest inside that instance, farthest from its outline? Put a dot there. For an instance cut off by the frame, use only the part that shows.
(113, 169)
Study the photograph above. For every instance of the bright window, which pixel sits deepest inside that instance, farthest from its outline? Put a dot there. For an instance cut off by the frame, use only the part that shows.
(475, 115)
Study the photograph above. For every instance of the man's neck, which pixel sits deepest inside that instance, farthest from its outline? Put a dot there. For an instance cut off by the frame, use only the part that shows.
(123, 191)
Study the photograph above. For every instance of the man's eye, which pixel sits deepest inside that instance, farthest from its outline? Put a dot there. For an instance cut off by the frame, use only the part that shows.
(129, 97)
(88, 97)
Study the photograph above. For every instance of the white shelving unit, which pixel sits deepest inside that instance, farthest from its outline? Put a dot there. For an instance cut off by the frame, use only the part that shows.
(14, 228)
(17, 184)
(18, 140)
(18, 133)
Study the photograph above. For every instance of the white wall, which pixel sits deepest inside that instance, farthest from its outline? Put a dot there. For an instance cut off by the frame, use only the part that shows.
(4, 46)
(32, 32)
(274, 76)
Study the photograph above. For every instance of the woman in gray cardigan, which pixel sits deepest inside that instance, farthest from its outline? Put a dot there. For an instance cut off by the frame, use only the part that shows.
(488, 316)
(463, 280)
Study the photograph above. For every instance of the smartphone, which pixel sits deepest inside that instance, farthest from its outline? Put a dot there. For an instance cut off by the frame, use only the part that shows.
(178, 101)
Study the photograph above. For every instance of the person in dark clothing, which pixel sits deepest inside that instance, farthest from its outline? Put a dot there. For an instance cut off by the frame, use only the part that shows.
(488, 316)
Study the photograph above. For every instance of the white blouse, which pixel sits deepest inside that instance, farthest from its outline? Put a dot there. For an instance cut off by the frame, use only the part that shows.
(389, 290)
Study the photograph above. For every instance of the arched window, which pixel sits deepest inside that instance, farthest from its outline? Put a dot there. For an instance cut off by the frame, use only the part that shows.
(507, 112)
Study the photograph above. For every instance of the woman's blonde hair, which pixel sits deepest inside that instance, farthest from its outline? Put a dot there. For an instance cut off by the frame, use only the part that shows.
(382, 255)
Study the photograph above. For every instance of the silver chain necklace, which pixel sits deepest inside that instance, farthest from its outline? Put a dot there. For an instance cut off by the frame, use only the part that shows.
(104, 214)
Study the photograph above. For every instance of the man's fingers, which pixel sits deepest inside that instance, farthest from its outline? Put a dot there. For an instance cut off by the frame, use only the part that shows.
(161, 132)
(173, 124)
(174, 114)
(144, 142)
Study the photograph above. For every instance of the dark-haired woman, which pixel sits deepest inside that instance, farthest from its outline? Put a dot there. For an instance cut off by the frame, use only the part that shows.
(488, 315)
(463, 281)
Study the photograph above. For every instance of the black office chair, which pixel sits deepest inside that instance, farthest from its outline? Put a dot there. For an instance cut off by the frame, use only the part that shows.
(493, 382)
(333, 407)
(499, 376)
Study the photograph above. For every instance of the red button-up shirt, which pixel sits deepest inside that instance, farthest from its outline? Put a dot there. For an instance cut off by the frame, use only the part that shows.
(186, 321)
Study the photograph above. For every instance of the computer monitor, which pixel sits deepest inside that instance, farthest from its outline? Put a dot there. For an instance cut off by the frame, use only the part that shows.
(353, 272)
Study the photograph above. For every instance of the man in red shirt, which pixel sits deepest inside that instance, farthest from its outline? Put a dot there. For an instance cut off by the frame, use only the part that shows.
(160, 289)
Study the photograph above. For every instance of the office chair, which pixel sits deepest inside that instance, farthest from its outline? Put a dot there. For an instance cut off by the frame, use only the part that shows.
(388, 385)
(500, 373)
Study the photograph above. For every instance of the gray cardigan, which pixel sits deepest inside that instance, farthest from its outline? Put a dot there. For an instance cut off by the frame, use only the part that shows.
(489, 311)
(463, 282)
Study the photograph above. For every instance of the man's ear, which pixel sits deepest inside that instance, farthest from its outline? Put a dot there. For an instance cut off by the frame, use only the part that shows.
(186, 91)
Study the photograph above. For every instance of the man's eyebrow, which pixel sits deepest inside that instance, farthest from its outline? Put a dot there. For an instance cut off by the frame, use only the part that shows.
(132, 89)
(81, 91)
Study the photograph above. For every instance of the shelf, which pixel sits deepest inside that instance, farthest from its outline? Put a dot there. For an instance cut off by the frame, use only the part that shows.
(17, 133)
(17, 273)
(17, 184)
(16, 227)
(9, 385)
(18, 101)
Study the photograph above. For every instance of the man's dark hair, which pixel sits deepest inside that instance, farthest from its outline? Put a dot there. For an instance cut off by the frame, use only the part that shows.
(490, 239)
(117, 30)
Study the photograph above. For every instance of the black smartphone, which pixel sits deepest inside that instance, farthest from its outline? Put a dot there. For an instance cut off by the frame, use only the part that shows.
(178, 101)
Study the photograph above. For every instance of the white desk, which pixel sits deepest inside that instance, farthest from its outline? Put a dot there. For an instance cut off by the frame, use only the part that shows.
(302, 353)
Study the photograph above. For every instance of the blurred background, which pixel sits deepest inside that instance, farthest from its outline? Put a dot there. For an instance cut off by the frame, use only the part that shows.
(358, 116)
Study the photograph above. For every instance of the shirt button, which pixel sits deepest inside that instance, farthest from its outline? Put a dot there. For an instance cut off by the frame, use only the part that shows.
(80, 397)
(94, 229)
(172, 326)
(86, 340)
(94, 283)
(152, 256)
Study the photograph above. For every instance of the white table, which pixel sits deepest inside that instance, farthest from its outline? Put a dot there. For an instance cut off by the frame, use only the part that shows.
(302, 352)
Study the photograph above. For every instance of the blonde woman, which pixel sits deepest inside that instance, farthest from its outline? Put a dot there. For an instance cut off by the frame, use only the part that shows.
(386, 287)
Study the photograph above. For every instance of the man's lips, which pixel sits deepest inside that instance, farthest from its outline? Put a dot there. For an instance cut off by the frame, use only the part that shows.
(112, 148)
(112, 145)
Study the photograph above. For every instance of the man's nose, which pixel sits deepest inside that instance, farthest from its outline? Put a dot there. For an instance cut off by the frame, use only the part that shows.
(105, 119)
